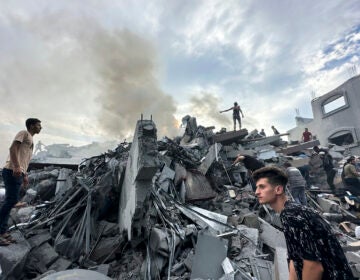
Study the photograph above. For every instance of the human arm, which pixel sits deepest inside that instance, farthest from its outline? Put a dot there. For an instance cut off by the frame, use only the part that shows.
(227, 110)
(14, 158)
(292, 271)
(312, 270)
(239, 158)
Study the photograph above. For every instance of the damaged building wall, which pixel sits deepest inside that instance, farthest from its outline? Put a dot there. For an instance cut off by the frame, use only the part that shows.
(336, 117)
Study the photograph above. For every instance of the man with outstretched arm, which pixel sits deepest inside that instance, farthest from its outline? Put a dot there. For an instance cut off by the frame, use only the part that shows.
(314, 253)
(236, 114)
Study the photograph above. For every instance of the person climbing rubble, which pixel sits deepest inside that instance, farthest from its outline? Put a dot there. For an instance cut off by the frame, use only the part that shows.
(236, 114)
(251, 164)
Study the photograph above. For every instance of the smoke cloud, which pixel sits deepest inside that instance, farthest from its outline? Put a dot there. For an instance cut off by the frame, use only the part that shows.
(84, 81)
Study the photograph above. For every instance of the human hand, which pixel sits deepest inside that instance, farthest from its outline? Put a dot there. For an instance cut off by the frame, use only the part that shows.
(17, 172)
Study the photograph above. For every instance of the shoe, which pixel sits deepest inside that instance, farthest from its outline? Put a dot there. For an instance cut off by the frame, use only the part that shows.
(4, 242)
(7, 236)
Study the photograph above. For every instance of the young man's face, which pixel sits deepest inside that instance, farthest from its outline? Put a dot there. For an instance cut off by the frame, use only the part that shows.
(266, 193)
(36, 128)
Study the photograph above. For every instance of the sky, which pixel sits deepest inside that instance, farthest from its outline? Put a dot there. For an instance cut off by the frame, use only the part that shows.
(90, 69)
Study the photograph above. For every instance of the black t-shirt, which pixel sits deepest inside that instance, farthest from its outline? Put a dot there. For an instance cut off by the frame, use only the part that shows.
(252, 163)
(308, 236)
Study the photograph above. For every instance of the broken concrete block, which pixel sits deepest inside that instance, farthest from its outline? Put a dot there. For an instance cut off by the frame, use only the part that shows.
(300, 147)
(230, 137)
(104, 248)
(46, 189)
(38, 239)
(328, 205)
(159, 241)
(166, 178)
(79, 274)
(13, 257)
(211, 156)
(45, 253)
(24, 214)
(271, 236)
(29, 196)
(210, 252)
(197, 187)
(60, 264)
(281, 271)
(64, 182)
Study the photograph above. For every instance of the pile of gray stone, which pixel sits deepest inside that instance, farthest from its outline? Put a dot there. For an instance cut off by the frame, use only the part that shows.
(164, 209)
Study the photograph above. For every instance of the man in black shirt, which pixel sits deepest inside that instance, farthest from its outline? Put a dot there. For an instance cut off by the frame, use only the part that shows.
(313, 250)
(251, 164)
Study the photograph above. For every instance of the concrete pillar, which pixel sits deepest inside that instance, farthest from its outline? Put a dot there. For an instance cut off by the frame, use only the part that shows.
(142, 165)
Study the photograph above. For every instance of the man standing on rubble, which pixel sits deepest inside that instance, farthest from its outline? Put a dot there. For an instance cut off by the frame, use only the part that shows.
(306, 136)
(296, 183)
(14, 173)
(313, 250)
(328, 166)
(276, 132)
(236, 114)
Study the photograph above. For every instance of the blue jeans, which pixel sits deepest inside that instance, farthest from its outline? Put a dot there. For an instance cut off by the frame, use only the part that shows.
(299, 195)
(12, 190)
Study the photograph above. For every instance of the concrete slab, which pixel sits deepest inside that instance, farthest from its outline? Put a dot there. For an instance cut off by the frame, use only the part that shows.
(281, 271)
(60, 264)
(271, 236)
(79, 274)
(13, 257)
(45, 253)
(197, 187)
(211, 156)
(37, 240)
(230, 137)
(300, 147)
(210, 252)
(143, 162)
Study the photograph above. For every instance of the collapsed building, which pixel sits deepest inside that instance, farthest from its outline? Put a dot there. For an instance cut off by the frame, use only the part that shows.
(165, 209)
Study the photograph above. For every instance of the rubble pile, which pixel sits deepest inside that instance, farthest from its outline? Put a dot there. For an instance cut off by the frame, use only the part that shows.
(167, 209)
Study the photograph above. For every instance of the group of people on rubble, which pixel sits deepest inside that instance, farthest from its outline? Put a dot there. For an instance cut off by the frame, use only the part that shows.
(313, 250)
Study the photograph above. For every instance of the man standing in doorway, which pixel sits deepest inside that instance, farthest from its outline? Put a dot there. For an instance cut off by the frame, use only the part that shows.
(313, 250)
(15, 173)
(236, 114)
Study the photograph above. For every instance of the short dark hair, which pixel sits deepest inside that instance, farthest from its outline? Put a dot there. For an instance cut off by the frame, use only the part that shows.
(287, 164)
(235, 103)
(274, 175)
(31, 121)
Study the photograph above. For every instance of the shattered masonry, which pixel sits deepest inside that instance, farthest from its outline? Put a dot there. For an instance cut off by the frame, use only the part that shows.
(167, 209)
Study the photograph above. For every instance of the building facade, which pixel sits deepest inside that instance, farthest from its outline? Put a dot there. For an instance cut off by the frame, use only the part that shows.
(336, 117)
